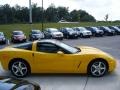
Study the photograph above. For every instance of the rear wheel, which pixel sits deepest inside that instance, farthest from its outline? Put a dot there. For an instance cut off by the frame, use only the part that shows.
(98, 68)
(19, 68)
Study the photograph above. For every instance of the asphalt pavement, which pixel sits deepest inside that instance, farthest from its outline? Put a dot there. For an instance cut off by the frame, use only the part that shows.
(109, 44)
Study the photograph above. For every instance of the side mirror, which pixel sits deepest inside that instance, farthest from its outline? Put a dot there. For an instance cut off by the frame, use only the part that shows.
(60, 52)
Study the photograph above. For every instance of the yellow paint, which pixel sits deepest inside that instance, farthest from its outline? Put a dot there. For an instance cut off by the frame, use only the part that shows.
(56, 62)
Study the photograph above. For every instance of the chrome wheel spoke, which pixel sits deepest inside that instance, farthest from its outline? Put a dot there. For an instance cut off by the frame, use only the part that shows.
(99, 72)
(94, 71)
(98, 68)
(99, 65)
(19, 68)
(20, 64)
(94, 66)
(14, 66)
(24, 68)
(21, 72)
(102, 68)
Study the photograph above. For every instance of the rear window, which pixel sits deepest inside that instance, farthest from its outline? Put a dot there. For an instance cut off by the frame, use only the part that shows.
(25, 46)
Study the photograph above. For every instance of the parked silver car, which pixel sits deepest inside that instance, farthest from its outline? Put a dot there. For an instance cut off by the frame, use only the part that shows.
(83, 32)
(36, 35)
(53, 33)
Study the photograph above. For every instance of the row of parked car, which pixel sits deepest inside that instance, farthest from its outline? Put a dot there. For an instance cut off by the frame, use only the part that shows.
(65, 32)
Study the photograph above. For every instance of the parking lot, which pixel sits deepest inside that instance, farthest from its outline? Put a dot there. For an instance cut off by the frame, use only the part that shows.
(111, 81)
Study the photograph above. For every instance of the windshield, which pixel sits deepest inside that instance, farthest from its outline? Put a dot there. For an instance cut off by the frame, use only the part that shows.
(36, 32)
(26, 87)
(1, 34)
(18, 33)
(81, 29)
(117, 28)
(53, 30)
(69, 29)
(95, 28)
(68, 48)
(25, 46)
(107, 28)
(6, 86)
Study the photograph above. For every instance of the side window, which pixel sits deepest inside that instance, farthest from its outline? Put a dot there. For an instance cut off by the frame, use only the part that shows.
(47, 48)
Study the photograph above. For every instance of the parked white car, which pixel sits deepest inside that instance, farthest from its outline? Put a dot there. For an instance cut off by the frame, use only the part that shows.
(83, 32)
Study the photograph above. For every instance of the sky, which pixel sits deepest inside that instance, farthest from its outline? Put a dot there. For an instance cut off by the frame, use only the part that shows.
(97, 8)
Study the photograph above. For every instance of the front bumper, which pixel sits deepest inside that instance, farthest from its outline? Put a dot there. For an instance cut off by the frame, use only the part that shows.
(112, 65)
(19, 40)
(2, 41)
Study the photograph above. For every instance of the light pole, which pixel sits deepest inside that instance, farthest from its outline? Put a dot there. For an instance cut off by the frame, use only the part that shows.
(30, 12)
(42, 15)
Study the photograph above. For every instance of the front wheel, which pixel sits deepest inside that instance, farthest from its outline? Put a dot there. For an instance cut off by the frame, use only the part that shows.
(98, 68)
(19, 68)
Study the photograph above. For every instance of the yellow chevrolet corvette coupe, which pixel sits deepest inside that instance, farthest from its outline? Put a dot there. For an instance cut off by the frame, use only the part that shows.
(52, 56)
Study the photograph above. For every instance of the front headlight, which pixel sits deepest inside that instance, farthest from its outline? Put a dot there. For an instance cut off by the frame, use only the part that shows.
(61, 34)
(70, 33)
(15, 37)
(54, 35)
(33, 36)
(3, 38)
(25, 37)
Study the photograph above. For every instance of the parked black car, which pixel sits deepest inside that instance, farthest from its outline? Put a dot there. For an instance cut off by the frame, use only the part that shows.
(2, 38)
(18, 36)
(8, 83)
(118, 27)
(107, 31)
(53, 33)
(95, 31)
(117, 30)
(69, 32)
(36, 35)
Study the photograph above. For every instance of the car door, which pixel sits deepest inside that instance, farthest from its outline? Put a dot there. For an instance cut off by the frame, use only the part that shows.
(48, 60)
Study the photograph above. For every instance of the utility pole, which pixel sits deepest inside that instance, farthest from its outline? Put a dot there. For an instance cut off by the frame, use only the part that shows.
(30, 12)
(42, 15)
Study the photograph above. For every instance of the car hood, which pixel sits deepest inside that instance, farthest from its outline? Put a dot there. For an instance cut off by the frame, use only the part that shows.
(38, 35)
(18, 35)
(72, 32)
(91, 50)
(54, 33)
(86, 31)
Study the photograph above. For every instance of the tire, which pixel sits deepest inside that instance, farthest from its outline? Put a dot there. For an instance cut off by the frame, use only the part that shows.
(97, 68)
(81, 35)
(12, 40)
(19, 68)
(67, 37)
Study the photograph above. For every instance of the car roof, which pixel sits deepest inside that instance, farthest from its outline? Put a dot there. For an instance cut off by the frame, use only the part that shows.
(18, 31)
(35, 30)
(1, 32)
(51, 28)
(48, 41)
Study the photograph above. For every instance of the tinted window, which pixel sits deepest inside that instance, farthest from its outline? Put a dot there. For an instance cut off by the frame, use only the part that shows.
(26, 46)
(36, 32)
(47, 47)
(17, 33)
(53, 30)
